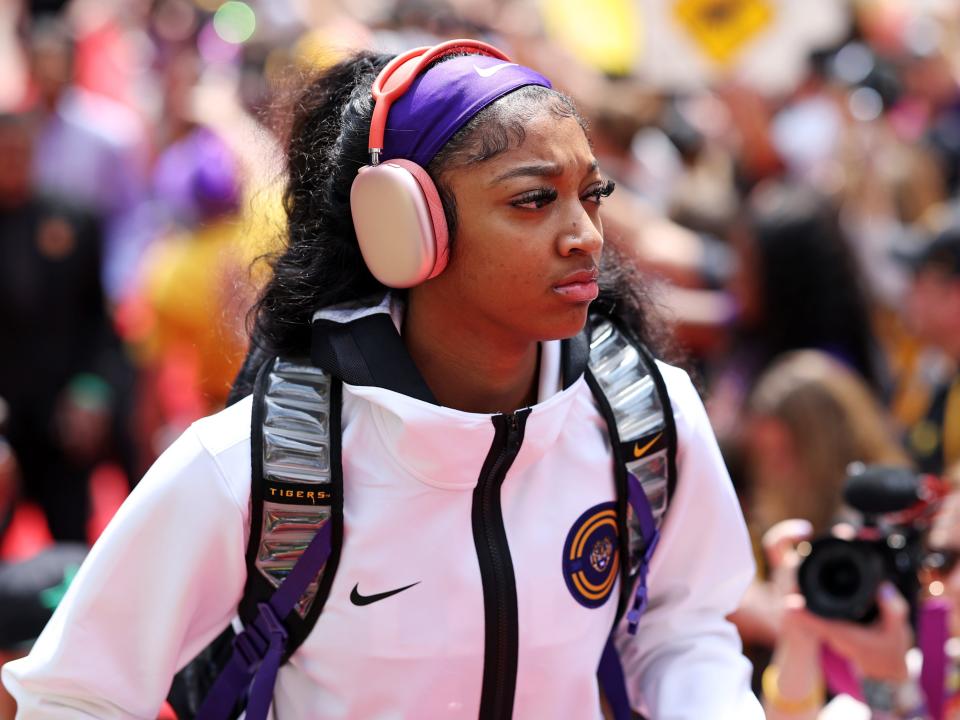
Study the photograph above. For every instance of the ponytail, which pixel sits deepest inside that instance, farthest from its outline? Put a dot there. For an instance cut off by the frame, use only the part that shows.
(321, 264)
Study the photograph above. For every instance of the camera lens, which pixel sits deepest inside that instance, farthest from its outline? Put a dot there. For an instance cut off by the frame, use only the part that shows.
(839, 578)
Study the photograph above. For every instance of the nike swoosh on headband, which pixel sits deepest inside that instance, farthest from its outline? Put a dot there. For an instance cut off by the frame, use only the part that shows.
(492, 70)
(357, 599)
(638, 452)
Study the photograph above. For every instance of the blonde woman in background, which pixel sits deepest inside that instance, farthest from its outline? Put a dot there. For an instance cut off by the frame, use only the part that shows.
(809, 417)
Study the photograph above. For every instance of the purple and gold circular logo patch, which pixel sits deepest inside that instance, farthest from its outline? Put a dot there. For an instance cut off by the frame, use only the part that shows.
(590, 557)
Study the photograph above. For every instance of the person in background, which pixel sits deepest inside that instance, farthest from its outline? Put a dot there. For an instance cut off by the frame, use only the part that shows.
(63, 371)
(932, 311)
(193, 285)
(34, 572)
(881, 652)
(796, 286)
(89, 150)
(807, 419)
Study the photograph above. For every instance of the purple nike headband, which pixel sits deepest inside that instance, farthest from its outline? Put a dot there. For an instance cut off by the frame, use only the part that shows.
(443, 99)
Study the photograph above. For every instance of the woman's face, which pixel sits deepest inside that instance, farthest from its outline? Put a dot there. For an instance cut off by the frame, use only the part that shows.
(527, 248)
(772, 470)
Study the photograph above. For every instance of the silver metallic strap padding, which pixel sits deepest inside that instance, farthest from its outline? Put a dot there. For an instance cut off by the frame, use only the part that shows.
(626, 382)
(296, 452)
(651, 471)
(281, 520)
(630, 389)
(290, 531)
(296, 425)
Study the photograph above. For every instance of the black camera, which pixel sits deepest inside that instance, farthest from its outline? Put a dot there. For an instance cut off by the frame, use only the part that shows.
(839, 577)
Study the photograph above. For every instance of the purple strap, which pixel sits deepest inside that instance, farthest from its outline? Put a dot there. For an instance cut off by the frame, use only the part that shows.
(614, 683)
(651, 536)
(932, 634)
(258, 649)
(610, 671)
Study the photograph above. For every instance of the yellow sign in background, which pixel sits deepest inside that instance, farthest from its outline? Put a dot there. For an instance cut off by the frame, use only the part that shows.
(722, 28)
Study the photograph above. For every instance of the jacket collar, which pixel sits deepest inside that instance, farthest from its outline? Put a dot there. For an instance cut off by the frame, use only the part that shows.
(360, 343)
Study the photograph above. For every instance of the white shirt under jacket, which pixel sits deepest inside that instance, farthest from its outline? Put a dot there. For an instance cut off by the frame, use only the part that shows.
(166, 576)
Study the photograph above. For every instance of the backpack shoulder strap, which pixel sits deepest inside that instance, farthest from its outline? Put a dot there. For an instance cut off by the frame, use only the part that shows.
(296, 487)
(632, 396)
(296, 531)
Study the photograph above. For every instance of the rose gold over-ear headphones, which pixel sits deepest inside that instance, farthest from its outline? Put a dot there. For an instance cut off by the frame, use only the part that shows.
(397, 213)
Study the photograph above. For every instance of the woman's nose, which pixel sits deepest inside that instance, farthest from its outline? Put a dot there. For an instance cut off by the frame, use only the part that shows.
(581, 236)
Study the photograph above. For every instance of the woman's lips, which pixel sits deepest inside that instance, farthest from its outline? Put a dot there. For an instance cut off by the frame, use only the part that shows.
(579, 287)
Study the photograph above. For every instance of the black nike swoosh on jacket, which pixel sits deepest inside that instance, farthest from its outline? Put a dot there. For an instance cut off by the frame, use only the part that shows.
(357, 599)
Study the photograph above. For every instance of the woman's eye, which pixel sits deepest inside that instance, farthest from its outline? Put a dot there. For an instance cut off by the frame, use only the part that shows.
(535, 199)
(598, 192)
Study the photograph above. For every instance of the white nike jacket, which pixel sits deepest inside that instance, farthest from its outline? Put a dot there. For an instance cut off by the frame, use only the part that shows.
(167, 575)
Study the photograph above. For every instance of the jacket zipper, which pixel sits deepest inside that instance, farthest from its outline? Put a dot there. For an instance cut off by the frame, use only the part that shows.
(496, 570)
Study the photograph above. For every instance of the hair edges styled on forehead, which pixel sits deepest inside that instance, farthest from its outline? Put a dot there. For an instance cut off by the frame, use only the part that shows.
(500, 126)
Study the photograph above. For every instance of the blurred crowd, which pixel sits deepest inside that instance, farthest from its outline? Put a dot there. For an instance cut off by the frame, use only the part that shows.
(798, 228)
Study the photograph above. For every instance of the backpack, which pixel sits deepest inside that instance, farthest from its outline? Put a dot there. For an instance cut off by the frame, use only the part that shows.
(296, 520)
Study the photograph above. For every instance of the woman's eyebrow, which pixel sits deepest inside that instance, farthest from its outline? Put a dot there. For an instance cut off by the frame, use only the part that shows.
(539, 170)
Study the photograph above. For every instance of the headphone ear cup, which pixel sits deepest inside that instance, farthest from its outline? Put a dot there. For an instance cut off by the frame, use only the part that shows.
(435, 207)
(399, 221)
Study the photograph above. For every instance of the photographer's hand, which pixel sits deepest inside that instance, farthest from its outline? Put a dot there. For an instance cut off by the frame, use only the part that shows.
(793, 684)
(761, 609)
(780, 548)
(878, 650)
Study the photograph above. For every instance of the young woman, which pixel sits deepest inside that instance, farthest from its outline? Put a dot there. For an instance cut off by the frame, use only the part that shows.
(473, 448)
